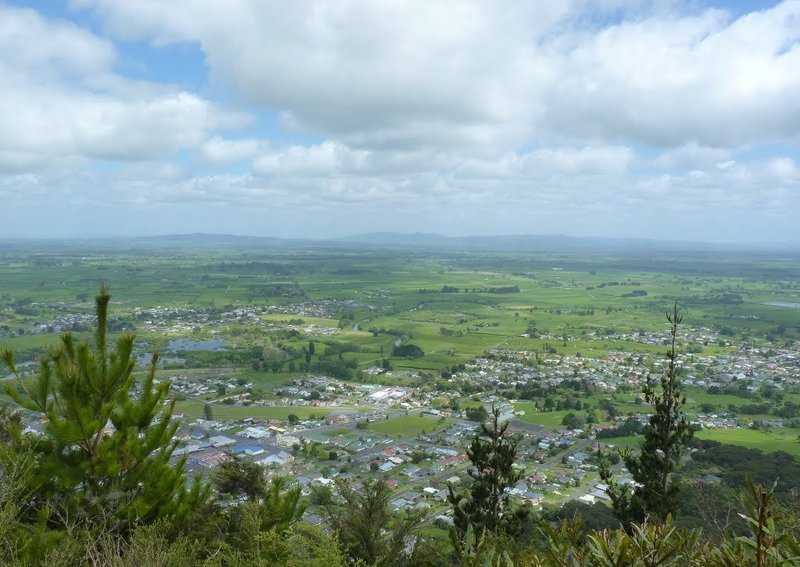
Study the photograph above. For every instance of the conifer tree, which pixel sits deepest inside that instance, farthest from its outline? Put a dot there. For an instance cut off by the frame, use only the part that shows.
(485, 504)
(369, 532)
(104, 457)
(665, 437)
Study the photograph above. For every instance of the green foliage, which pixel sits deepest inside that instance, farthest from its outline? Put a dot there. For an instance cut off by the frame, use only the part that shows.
(368, 531)
(573, 421)
(407, 351)
(478, 551)
(485, 505)
(665, 439)
(736, 464)
(478, 414)
(648, 545)
(772, 541)
(104, 458)
(257, 524)
(631, 426)
(237, 477)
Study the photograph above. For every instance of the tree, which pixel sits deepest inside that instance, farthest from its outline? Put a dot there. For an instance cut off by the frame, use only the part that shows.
(664, 443)
(366, 528)
(237, 477)
(485, 504)
(208, 412)
(407, 351)
(104, 458)
(573, 421)
(257, 524)
(293, 419)
(477, 414)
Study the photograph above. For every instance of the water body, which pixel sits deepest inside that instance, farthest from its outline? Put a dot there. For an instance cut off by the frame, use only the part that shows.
(789, 304)
(187, 344)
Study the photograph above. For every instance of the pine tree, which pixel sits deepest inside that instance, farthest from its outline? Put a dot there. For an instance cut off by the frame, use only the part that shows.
(237, 478)
(664, 443)
(368, 531)
(208, 412)
(104, 458)
(485, 504)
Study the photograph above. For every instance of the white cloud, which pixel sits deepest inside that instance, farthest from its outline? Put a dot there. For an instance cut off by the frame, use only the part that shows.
(43, 48)
(702, 80)
(691, 156)
(558, 161)
(61, 100)
(471, 116)
(482, 74)
(221, 151)
(327, 158)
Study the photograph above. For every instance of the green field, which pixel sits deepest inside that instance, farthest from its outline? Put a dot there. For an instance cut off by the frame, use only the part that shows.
(224, 412)
(357, 304)
(398, 294)
(408, 426)
(547, 418)
(778, 439)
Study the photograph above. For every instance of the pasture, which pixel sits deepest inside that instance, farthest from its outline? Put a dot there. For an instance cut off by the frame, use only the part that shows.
(408, 426)
(778, 439)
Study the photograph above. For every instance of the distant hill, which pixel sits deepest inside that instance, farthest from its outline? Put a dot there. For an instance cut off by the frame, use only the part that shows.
(558, 244)
(538, 244)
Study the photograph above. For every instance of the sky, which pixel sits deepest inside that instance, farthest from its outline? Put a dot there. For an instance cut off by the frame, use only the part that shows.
(676, 120)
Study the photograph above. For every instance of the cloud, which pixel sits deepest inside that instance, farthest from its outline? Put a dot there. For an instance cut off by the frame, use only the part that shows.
(61, 100)
(616, 117)
(221, 151)
(691, 156)
(482, 74)
(667, 82)
(47, 49)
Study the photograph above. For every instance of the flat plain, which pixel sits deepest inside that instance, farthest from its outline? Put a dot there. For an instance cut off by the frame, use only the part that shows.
(357, 305)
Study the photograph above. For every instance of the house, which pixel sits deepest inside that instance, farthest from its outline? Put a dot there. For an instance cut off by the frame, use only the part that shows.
(255, 432)
(399, 503)
(287, 440)
(211, 459)
(277, 459)
(249, 450)
(533, 498)
(186, 450)
(221, 441)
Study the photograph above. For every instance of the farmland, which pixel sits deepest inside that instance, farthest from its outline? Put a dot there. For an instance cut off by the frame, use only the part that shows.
(354, 346)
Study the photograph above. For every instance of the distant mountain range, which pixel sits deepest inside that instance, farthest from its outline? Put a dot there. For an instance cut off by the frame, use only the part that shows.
(554, 244)
(551, 243)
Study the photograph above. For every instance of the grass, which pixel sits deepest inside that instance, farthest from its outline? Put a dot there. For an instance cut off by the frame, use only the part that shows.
(775, 440)
(547, 418)
(632, 441)
(223, 411)
(408, 426)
